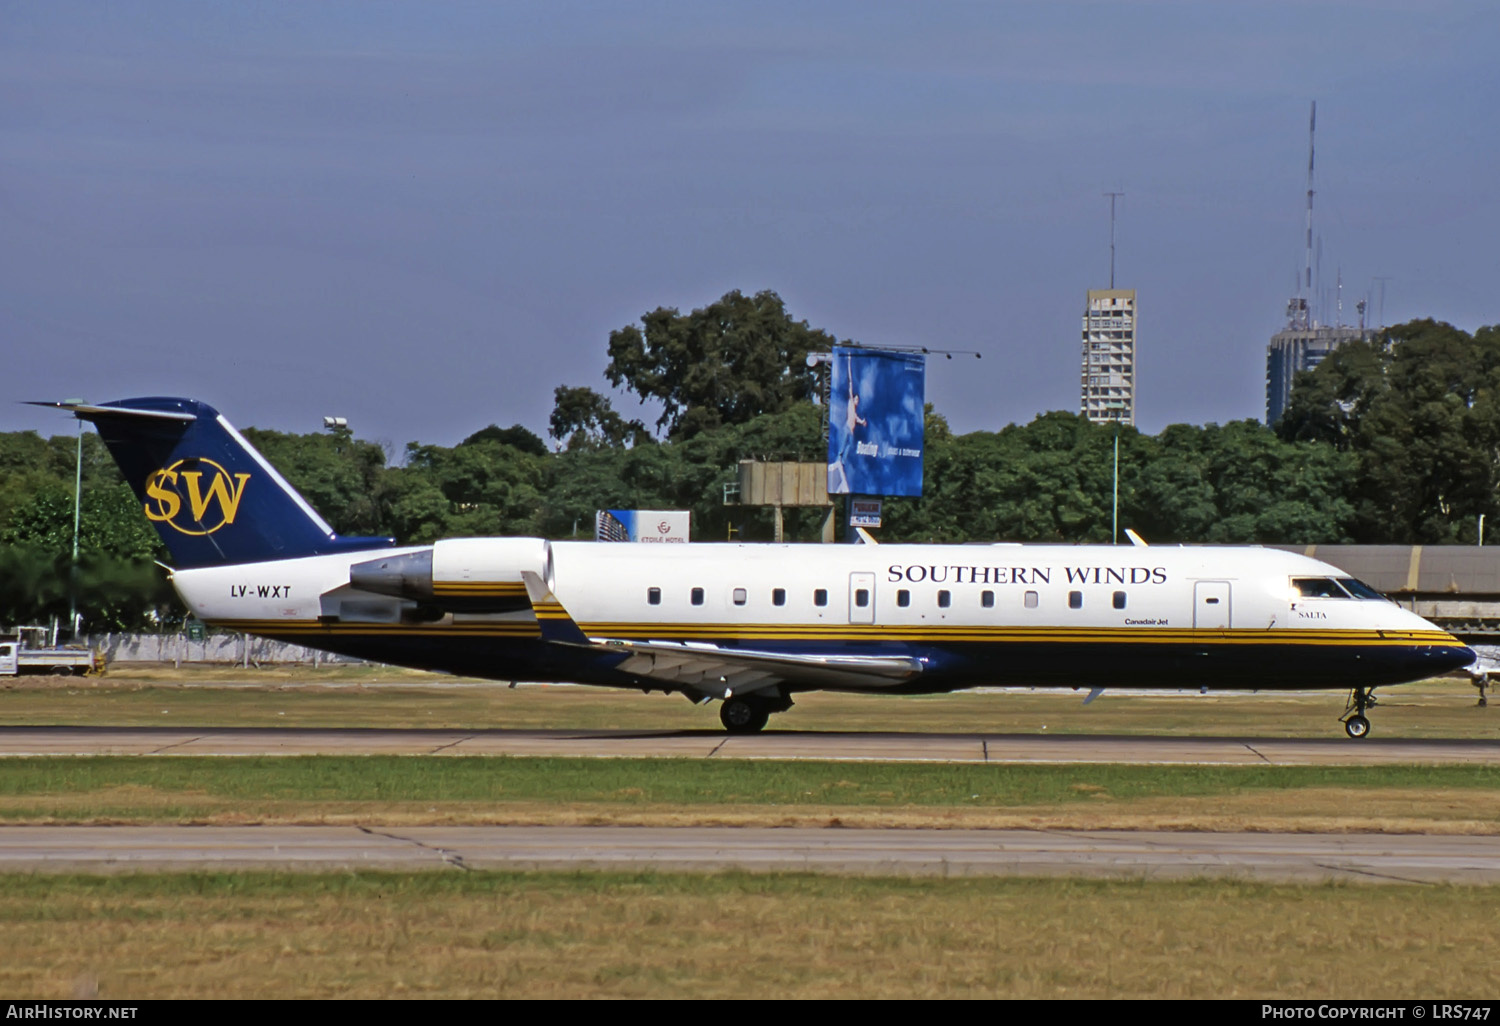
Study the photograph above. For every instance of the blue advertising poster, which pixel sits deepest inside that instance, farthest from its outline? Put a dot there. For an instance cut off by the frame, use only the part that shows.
(875, 422)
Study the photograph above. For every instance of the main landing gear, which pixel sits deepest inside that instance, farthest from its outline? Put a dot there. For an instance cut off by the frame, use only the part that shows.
(746, 714)
(1356, 724)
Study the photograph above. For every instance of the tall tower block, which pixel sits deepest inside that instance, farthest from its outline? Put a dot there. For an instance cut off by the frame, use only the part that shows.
(1107, 383)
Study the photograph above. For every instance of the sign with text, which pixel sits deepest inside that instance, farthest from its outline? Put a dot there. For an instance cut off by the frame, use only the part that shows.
(875, 422)
(864, 512)
(660, 526)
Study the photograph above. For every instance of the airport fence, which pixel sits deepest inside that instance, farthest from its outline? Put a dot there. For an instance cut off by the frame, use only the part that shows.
(227, 649)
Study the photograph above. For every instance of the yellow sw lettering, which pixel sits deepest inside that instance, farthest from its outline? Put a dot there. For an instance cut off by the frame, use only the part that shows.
(219, 490)
(167, 502)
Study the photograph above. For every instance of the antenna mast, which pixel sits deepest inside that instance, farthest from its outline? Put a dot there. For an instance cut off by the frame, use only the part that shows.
(1112, 197)
(1312, 126)
(1382, 278)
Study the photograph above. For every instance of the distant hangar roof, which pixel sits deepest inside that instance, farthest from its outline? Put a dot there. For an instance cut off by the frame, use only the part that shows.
(1414, 569)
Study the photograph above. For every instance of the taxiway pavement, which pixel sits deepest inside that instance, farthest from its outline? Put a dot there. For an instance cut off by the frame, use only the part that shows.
(706, 744)
(1375, 858)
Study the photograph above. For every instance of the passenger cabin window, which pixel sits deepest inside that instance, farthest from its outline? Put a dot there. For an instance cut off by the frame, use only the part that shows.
(697, 596)
(1119, 600)
(653, 596)
(903, 598)
(861, 597)
(820, 597)
(1031, 600)
(778, 596)
(987, 599)
(1318, 587)
(945, 599)
(739, 596)
(1075, 600)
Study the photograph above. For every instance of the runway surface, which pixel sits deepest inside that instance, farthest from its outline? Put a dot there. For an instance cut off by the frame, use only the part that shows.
(1291, 857)
(884, 747)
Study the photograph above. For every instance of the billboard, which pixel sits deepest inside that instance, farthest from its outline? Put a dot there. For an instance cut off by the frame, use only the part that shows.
(875, 403)
(642, 525)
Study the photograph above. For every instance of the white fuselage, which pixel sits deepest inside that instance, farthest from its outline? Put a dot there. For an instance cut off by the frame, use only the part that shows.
(970, 614)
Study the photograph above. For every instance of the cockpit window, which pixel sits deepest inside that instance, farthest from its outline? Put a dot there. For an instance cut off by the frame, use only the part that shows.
(1360, 590)
(1318, 587)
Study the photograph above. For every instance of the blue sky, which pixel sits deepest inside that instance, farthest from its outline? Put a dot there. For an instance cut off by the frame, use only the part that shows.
(425, 216)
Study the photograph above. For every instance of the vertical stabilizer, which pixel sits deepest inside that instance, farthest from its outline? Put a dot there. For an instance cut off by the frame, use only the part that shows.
(209, 494)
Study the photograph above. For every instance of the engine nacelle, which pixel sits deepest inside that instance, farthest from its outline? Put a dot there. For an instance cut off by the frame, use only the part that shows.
(463, 575)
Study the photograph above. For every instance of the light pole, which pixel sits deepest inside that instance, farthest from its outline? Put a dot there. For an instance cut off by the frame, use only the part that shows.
(77, 511)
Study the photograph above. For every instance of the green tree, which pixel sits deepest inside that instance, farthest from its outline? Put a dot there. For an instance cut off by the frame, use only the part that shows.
(1420, 410)
(584, 419)
(490, 488)
(515, 436)
(339, 475)
(727, 363)
(117, 585)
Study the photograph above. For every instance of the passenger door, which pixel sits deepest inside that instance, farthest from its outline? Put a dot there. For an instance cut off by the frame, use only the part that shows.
(1211, 604)
(861, 598)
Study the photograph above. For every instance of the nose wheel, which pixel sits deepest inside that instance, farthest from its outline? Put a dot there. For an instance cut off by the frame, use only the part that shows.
(1356, 724)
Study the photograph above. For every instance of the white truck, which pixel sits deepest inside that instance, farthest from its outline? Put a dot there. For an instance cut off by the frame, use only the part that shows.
(16, 656)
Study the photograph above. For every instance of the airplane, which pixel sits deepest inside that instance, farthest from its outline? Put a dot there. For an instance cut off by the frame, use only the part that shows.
(751, 625)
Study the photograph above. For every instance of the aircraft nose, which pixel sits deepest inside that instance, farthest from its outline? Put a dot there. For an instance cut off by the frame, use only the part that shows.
(1447, 658)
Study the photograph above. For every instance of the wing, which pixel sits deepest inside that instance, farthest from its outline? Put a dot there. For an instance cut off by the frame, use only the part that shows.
(717, 668)
(738, 671)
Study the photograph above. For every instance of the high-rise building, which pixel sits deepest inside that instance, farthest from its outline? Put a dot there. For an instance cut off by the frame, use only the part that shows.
(1107, 384)
(1300, 346)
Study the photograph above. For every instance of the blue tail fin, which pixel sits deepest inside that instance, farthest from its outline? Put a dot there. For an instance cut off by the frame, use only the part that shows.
(210, 495)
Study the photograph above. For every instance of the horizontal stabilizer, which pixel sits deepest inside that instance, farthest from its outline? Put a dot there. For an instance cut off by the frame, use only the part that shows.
(84, 411)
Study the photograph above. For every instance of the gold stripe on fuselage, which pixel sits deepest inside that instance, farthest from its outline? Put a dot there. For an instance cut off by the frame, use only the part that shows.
(487, 587)
(934, 634)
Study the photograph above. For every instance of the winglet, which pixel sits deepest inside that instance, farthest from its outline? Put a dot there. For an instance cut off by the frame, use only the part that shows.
(555, 622)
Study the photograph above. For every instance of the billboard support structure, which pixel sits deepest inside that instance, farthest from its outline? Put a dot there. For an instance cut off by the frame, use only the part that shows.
(780, 485)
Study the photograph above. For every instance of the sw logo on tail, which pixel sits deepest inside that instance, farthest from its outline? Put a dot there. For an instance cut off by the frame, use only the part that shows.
(166, 489)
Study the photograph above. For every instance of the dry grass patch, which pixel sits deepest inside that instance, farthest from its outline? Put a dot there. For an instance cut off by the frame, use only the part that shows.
(1308, 810)
(735, 936)
(363, 696)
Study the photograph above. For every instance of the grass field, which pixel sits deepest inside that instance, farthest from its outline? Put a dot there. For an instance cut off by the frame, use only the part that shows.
(552, 935)
(563, 935)
(405, 790)
(384, 697)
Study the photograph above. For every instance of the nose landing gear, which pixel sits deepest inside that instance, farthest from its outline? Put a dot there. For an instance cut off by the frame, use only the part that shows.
(1356, 724)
